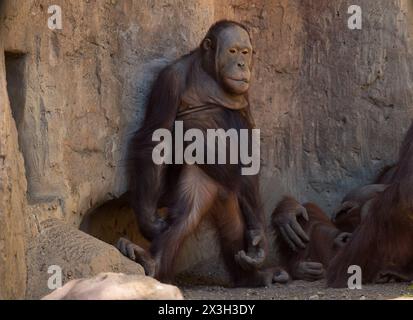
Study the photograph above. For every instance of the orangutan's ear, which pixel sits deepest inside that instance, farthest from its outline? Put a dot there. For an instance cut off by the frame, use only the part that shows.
(207, 44)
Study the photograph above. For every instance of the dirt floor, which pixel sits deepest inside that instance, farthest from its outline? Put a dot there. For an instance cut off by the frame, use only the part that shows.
(300, 290)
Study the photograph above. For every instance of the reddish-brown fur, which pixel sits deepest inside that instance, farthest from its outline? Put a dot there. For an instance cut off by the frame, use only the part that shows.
(348, 217)
(321, 231)
(190, 192)
(381, 219)
(355, 206)
(383, 243)
(349, 220)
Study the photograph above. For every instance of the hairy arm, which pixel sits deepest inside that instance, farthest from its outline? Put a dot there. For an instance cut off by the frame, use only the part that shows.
(145, 177)
(251, 210)
(284, 218)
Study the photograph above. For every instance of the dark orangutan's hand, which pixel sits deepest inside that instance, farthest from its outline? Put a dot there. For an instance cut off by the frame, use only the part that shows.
(256, 253)
(290, 229)
(309, 271)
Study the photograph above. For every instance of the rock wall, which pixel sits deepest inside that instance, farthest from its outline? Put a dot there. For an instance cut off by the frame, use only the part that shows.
(332, 104)
(12, 201)
(84, 87)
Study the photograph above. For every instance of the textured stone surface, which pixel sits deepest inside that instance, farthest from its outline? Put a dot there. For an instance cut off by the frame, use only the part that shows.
(116, 286)
(85, 87)
(332, 103)
(78, 254)
(12, 201)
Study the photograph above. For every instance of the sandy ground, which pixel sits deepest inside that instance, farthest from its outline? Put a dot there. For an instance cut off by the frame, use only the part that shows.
(299, 290)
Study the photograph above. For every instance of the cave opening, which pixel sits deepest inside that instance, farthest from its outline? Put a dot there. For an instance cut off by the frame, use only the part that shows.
(112, 220)
(196, 263)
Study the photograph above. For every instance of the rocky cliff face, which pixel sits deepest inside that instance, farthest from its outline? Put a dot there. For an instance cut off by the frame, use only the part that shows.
(12, 201)
(332, 105)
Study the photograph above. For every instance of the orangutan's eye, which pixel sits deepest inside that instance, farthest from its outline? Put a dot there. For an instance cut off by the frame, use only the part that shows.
(232, 50)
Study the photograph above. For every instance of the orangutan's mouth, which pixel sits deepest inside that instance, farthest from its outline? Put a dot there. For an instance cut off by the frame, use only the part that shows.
(239, 80)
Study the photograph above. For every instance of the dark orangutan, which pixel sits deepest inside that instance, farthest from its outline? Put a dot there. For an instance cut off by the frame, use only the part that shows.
(206, 89)
(307, 262)
(383, 243)
(380, 217)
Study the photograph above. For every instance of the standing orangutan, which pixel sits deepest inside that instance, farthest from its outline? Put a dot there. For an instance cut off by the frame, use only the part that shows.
(205, 89)
(380, 217)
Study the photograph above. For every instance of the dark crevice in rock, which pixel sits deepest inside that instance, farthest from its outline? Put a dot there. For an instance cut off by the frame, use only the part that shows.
(15, 67)
(112, 220)
(31, 134)
(16, 88)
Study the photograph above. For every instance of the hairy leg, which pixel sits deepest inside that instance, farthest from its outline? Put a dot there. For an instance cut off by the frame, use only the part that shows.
(231, 229)
(196, 193)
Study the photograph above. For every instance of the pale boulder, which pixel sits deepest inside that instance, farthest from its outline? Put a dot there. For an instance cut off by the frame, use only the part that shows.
(116, 286)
